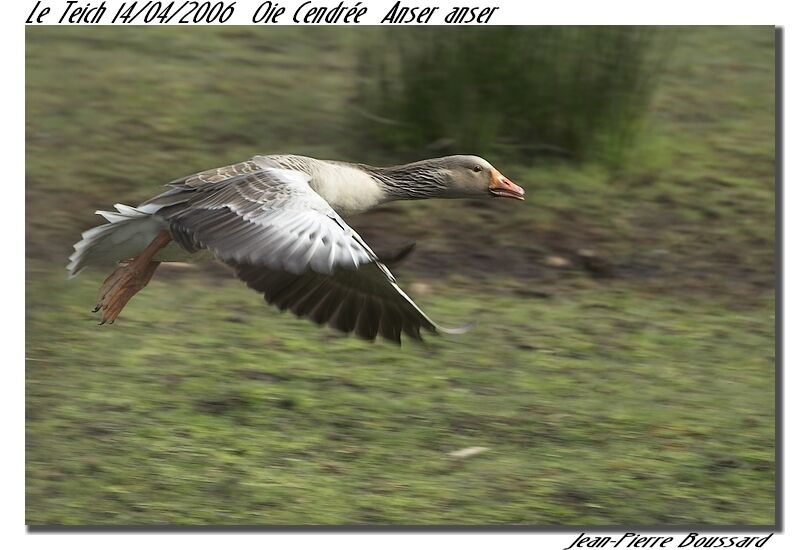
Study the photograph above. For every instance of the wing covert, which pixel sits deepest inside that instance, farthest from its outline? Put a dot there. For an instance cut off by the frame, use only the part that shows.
(269, 217)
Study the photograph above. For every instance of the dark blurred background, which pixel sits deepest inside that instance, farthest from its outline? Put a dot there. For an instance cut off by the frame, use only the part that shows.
(622, 369)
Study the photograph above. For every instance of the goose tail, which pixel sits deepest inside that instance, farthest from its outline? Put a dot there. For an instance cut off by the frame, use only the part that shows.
(128, 231)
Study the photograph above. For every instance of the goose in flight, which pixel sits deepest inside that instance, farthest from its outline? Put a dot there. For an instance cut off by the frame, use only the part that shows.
(277, 221)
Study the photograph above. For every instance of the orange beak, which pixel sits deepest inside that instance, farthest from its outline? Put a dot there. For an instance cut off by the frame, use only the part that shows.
(501, 186)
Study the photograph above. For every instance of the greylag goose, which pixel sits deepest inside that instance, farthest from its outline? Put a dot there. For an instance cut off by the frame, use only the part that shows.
(277, 221)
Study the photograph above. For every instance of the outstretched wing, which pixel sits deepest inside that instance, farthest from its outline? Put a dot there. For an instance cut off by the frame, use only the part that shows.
(286, 242)
(366, 301)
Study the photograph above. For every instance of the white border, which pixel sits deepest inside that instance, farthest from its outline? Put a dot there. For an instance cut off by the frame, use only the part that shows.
(522, 12)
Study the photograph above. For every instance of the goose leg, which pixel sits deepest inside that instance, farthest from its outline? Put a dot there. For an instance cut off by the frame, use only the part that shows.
(130, 277)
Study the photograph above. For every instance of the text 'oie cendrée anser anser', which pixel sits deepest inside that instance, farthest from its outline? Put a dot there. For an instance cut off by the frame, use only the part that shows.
(277, 221)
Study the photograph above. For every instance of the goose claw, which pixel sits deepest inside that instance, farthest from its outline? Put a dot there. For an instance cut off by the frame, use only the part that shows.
(128, 279)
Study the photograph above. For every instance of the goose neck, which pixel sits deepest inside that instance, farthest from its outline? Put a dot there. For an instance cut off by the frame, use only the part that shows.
(410, 181)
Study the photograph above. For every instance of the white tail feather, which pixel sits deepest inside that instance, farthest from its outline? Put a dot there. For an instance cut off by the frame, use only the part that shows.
(128, 232)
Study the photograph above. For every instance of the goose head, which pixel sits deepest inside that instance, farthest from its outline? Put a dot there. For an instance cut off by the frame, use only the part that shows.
(472, 176)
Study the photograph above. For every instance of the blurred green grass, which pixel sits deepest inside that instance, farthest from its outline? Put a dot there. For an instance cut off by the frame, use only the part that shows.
(622, 371)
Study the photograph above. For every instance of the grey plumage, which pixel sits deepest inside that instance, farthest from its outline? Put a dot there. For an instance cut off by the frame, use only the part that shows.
(265, 218)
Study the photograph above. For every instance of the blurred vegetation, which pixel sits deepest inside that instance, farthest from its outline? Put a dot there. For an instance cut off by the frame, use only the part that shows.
(579, 92)
(622, 371)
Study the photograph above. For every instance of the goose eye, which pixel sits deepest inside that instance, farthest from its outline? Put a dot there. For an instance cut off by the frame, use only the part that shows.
(477, 168)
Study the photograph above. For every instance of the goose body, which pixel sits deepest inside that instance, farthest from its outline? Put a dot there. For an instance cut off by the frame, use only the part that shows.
(278, 222)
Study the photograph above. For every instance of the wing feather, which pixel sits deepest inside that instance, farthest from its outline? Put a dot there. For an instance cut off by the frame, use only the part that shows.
(364, 301)
(266, 216)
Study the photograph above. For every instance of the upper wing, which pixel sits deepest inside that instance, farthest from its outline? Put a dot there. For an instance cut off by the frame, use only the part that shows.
(286, 242)
(267, 216)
